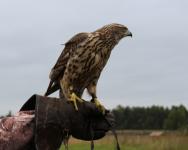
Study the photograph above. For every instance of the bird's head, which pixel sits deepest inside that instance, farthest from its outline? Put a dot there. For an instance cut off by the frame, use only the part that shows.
(118, 31)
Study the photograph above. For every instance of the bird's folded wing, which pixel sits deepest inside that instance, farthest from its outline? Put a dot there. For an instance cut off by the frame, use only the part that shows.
(70, 47)
(57, 71)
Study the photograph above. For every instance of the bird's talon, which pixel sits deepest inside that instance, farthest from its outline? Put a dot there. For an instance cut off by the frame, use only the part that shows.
(100, 107)
(75, 98)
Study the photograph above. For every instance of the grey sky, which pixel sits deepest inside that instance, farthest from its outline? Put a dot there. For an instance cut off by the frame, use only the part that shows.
(150, 68)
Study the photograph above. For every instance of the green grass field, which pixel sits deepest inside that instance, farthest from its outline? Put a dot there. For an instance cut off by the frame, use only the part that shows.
(173, 141)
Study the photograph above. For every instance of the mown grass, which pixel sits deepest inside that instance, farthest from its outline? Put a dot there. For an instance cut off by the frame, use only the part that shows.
(135, 142)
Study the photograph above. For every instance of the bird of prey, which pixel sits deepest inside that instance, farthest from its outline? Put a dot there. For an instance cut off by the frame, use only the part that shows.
(81, 62)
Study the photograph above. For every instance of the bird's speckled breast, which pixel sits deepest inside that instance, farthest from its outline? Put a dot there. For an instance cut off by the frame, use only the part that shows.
(88, 62)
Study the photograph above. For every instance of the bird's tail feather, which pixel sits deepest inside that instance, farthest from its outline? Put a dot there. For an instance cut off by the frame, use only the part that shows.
(51, 88)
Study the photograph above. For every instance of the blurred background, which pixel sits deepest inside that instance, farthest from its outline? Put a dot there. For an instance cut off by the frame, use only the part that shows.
(145, 81)
(149, 69)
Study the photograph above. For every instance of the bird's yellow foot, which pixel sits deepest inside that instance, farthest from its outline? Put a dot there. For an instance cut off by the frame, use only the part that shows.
(74, 98)
(99, 105)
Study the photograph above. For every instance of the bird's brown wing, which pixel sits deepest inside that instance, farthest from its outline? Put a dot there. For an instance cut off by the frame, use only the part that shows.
(60, 66)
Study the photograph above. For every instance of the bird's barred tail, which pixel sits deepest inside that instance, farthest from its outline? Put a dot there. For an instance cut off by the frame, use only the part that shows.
(51, 88)
(48, 89)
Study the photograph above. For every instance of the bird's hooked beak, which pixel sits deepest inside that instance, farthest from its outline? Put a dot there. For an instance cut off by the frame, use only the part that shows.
(128, 33)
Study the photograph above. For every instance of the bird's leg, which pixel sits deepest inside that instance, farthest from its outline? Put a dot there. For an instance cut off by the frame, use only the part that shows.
(73, 98)
(68, 93)
(92, 91)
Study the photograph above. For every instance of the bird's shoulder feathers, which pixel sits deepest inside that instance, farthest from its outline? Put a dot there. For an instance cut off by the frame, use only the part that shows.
(69, 48)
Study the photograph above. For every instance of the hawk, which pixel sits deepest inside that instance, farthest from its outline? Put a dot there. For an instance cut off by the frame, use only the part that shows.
(81, 62)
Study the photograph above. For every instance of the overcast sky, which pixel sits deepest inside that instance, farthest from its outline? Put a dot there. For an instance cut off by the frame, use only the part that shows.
(149, 69)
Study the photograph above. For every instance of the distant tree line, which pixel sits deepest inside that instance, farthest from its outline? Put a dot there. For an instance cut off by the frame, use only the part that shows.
(154, 117)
